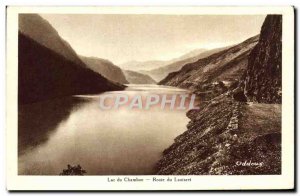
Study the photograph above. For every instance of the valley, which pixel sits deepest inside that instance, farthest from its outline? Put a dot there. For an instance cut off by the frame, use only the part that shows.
(207, 112)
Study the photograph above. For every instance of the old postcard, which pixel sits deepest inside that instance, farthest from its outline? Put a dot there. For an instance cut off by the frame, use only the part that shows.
(150, 98)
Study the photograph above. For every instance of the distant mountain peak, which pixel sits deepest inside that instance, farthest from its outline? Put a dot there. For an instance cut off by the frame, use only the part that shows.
(156, 64)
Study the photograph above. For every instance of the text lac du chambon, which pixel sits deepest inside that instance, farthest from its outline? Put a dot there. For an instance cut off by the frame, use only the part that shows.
(154, 179)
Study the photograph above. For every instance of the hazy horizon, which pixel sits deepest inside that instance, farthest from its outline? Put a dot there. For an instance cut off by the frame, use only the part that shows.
(125, 38)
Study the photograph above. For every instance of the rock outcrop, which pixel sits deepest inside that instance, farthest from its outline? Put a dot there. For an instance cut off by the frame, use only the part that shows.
(263, 78)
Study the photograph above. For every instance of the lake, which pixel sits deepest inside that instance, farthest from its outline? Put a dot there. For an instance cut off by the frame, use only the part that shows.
(74, 130)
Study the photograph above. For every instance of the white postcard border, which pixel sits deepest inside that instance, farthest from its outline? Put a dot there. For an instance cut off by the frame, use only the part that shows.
(204, 182)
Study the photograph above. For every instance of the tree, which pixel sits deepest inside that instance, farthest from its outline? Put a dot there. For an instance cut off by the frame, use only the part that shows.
(73, 170)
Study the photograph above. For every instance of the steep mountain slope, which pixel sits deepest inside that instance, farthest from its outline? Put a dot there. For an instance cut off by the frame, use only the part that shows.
(226, 136)
(40, 30)
(138, 78)
(49, 68)
(105, 68)
(161, 72)
(263, 78)
(215, 72)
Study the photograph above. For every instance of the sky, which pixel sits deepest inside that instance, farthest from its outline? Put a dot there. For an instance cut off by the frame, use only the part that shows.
(123, 38)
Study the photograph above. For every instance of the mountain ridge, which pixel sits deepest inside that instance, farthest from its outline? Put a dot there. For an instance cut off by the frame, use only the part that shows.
(141, 66)
(210, 73)
(162, 72)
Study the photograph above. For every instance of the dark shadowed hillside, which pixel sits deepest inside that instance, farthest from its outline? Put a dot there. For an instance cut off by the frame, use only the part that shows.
(105, 68)
(138, 78)
(40, 30)
(49, 67)
(44, 74)
(263, 79)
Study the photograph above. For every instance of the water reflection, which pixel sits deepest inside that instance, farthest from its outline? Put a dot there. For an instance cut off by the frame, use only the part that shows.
(103, 142)
(38, 120)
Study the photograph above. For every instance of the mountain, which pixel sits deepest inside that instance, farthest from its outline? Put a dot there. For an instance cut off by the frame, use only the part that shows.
(226, 136)
(263, 77)
(213, 74)
(144, 66)
(105, 68)
(49, 68)
(160, 73)
(40, 30)
(138, 78)
(190, 54)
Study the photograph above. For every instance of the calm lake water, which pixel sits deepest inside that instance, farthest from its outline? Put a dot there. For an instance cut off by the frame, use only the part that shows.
(75, 130)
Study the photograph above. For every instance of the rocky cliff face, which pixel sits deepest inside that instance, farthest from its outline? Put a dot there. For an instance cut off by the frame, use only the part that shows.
(263, 77)
(105, 68)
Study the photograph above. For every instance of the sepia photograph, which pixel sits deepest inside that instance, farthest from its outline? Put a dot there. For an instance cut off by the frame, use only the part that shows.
(149, 96)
